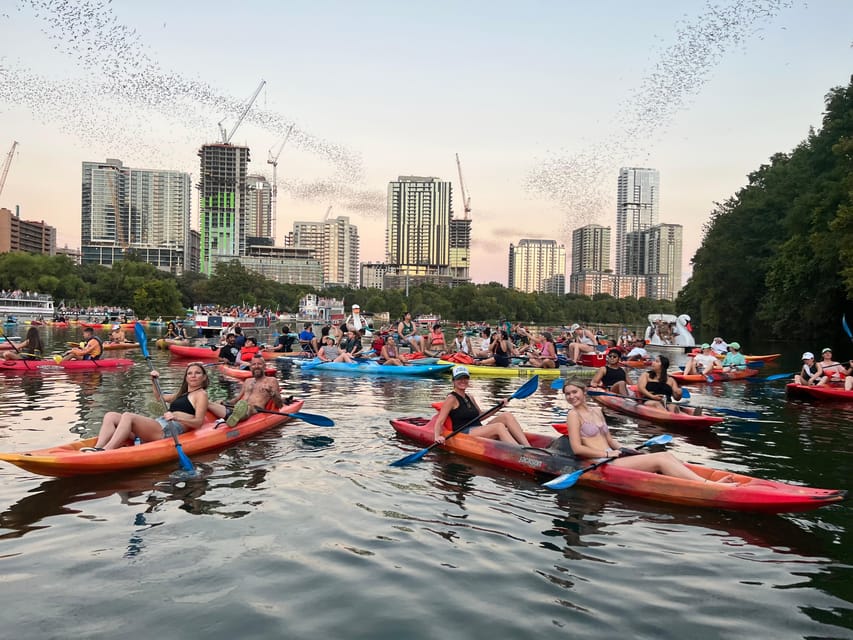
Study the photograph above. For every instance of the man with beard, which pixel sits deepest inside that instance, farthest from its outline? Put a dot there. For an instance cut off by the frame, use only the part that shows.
(256, 393)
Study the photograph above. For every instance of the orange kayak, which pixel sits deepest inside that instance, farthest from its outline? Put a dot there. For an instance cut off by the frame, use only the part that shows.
(746, 494)
(716, 376)
(237, 372)
(67, 460)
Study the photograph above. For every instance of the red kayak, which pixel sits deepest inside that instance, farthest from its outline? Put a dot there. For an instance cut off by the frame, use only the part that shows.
(30, 365)
(237, 372)
(747, 494)
(835, 393)
(67, 460)
(639, 409)
(196, 353)
(717, 376)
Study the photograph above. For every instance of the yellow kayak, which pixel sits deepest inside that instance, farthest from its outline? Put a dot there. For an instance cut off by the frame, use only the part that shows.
(499, 372)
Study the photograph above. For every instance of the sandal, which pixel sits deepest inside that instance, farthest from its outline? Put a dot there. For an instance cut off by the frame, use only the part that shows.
(90, 449)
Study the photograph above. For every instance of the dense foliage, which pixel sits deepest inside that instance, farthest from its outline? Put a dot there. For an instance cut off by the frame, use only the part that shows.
(776, 259)
(152, 293)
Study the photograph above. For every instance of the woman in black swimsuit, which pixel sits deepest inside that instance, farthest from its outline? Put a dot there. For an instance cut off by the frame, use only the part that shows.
(187, 409)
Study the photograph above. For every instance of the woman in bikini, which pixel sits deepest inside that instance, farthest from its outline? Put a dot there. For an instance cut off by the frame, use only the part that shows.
(546, 358)
(187, 409)
(389, 354)
(590, 438)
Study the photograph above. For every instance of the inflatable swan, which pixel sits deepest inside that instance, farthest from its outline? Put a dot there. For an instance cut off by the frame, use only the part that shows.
(668, 330)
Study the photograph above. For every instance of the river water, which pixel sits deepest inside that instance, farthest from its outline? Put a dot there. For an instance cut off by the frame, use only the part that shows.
(306, 532)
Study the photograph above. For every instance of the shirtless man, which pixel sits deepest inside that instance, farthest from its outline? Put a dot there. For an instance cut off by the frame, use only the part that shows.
(256, 393)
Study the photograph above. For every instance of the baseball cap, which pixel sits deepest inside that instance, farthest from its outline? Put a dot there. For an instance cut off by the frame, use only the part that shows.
(735, 345)
(808, 355)
(825, 349)
(705, 345)
(355, 306)
(460, 372)
(116, 327)
(574, 327)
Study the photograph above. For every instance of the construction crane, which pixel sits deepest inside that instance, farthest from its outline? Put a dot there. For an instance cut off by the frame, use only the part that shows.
(273, 160)
(328, 213)
(226, 137)
(466, 200)
(6, 165)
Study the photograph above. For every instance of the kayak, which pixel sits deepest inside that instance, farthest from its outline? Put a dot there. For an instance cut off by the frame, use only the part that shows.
(197, 353)
(717, 376)
(486, 370)
(371, 367)
(237, 372)
(765, 358)
(656, 415)
(163, 343)
(748, 494)
(67, 460)
(110, 325)
(28, 365)
(834, 393)
(111, 346)
(600, 359)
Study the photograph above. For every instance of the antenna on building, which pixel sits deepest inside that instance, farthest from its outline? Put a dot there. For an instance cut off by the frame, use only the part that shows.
(226, 137)
(466, 200)
(6, 165)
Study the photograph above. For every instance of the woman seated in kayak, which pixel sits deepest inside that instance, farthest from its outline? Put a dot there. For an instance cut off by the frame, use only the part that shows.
(811, 373)
(187, 409)
(462, 409)
(436, 344)
(612, 376)
(657, 389)
(703, 363)
(734, 360)
(330, 352)
(500, 350)
(835, 371)
(546, 355)
(389, 354)
(30, 348)
(174, 332)
(590, 438)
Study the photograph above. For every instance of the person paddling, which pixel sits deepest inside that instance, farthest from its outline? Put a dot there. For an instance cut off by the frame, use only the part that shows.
(257, 392)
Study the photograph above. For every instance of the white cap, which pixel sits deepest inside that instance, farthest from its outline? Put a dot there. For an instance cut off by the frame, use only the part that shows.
(355, 306)
(808, 355)
(460, 372)
(574, 327)
(116, 327)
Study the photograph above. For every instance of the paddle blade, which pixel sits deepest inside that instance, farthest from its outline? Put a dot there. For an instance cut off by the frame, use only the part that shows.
(564, 481)
(527, 389)
(409, 459)
(558, 384)
(313, 418)
(845, 327)
(57, 359)
(142, 339)
(685, 393)
(186, 463)
(735, 412)
(755, 364)
(663, 438)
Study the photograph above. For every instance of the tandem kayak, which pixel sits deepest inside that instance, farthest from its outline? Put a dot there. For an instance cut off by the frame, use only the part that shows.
(67, 460)
(835, 393)
(197, 353)
(716, 376)
(748, 494)
(372, 367)
(639, 409)
(500, 372)
(163, 343)
(30, 365)
(109, 346)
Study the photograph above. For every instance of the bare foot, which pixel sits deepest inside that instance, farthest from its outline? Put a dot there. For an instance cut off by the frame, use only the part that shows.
(727, 479)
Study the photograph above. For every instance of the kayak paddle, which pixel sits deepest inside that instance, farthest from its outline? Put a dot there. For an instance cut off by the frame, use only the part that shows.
(12, 344)
(685, 394)
(845, 327)
(527, 389)
(569, 479)
(186, 463)
(776, 376)
(310, 418)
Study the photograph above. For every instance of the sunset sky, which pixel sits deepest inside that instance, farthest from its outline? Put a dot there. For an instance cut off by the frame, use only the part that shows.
(543, 101)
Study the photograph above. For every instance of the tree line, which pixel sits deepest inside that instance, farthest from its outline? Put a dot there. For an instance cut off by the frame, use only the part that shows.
(776, 259)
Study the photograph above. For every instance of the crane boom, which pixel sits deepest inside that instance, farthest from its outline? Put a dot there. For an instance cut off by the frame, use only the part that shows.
(274, 193)
(6, 165)
(466, 200)
(227, 139)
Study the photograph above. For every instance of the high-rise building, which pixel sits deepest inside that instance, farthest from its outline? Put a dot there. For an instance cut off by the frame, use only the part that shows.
(222, 202)
(460, 250)
(663, 257)
(537, 265)
(418, 232)
(336, 245)
(637, 202)
(146, 211)
(259, 221)
(591, 249)
(24, 235)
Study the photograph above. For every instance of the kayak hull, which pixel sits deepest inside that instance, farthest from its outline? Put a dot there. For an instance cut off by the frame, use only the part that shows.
(374, 368)
(164, 343)
(71, 365)
(479, 370)
(749, 494)
(717, 376)
(196, 353)
(829, 393)
(637, 409)
(67, 460)
(236, 372)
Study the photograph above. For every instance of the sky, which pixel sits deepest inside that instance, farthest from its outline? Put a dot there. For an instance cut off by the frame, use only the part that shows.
(543, 102)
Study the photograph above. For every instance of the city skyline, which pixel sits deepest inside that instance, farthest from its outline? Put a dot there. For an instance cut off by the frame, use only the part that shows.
(539, 157)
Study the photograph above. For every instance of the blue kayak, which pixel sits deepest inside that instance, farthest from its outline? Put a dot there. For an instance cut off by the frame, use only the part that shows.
(376, 369)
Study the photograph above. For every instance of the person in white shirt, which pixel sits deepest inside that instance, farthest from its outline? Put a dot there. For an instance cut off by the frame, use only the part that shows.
(703, 363)
(638, 352)
(719, 346)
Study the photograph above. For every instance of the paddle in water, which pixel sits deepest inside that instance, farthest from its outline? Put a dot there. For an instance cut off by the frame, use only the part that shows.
(527, 389)
(310, 418)
(569, 479)
(189, 470)
(12, 344)
(685, 394)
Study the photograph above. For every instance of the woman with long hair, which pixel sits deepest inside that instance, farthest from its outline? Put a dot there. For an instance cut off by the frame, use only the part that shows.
(30, 348)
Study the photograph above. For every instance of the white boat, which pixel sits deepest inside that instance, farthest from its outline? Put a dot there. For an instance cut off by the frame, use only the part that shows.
(666, 331)
(26, 306)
